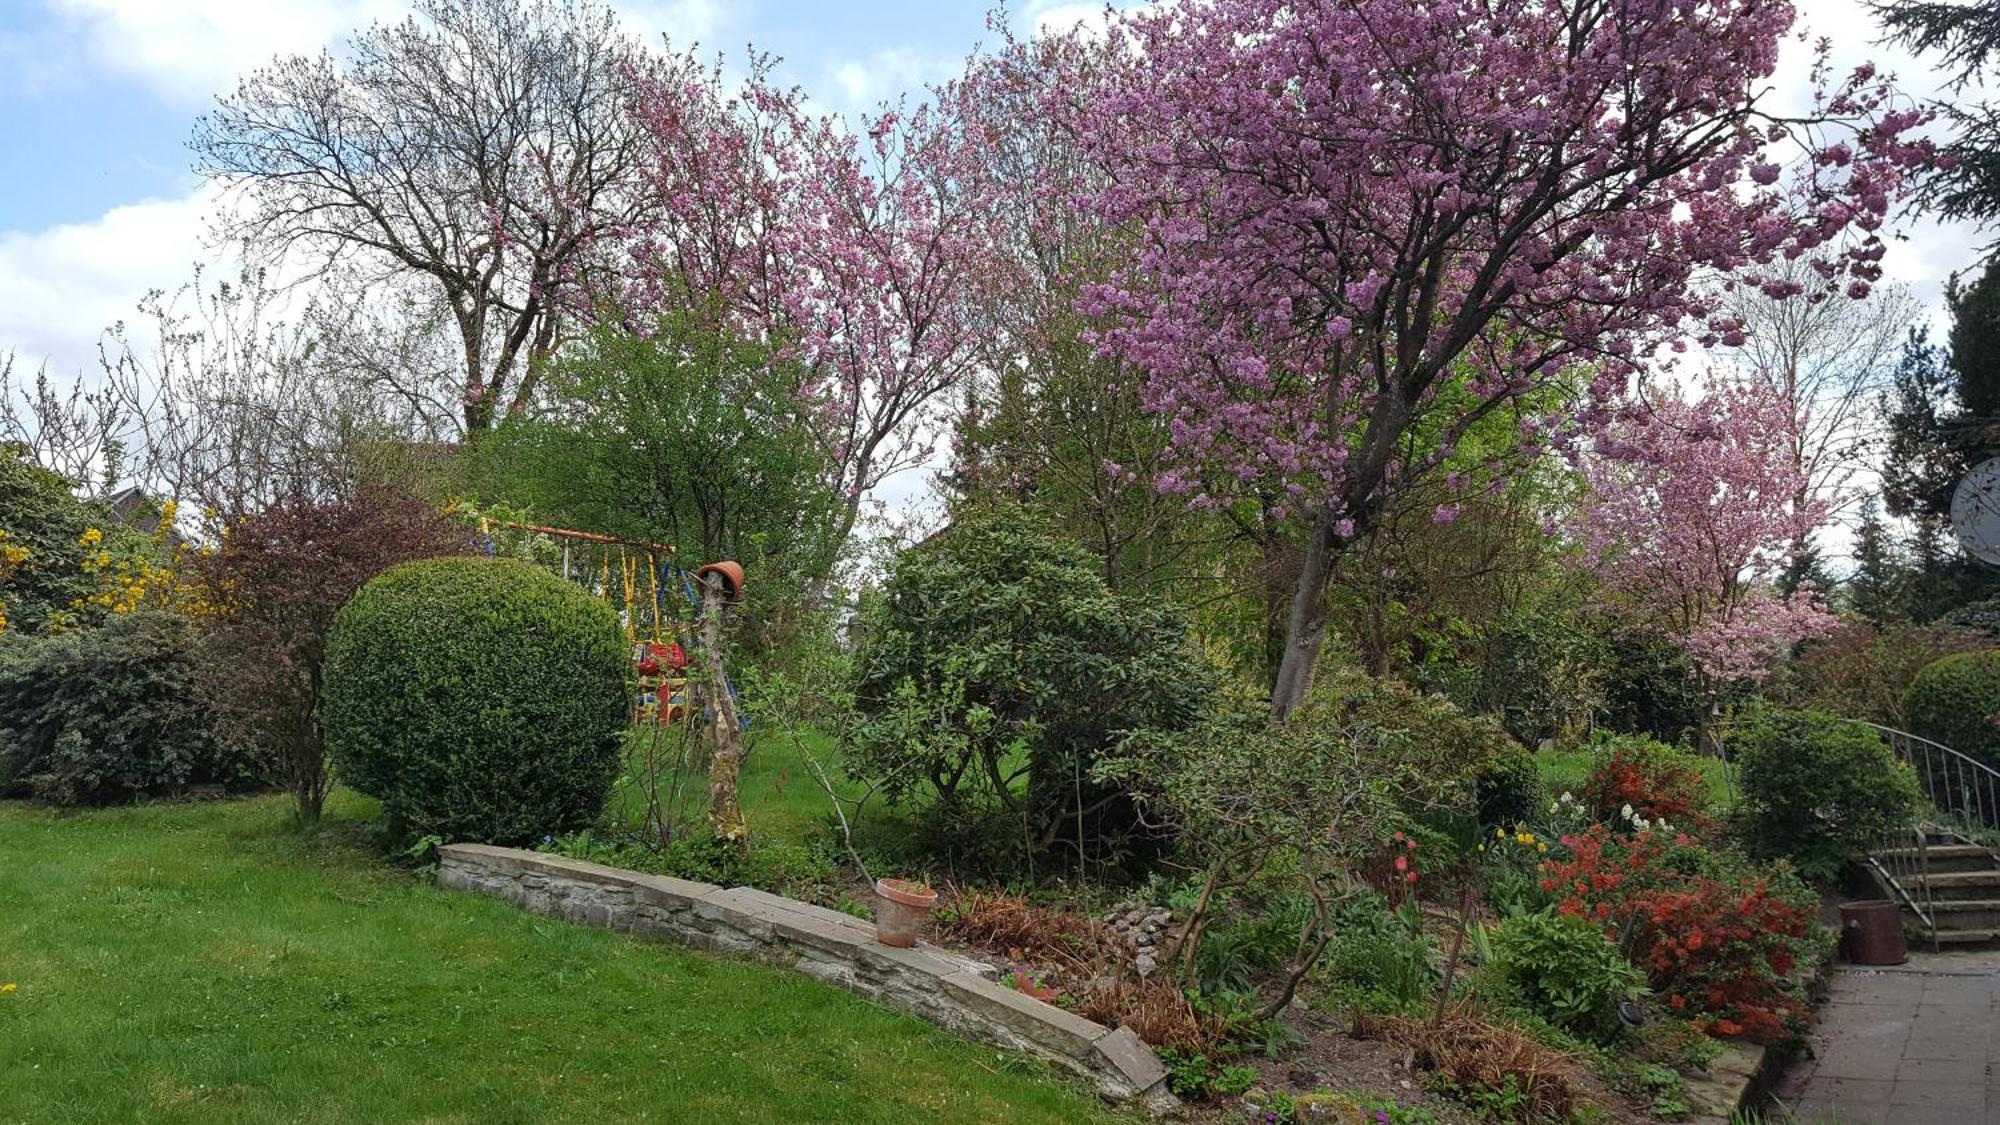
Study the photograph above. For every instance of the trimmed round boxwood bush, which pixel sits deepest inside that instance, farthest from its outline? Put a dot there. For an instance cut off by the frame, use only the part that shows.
(1510, 789)
(478, 699)
(1817, 788)
(1956, 701)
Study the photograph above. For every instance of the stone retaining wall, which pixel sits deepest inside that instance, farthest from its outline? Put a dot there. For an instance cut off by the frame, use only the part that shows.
(953, 992)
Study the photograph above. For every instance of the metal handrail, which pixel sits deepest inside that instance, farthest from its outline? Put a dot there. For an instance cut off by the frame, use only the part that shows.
(1955, 785)
(1962, 796)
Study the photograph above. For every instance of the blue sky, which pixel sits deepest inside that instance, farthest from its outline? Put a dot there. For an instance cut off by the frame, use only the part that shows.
(97, 97)
(96, 124)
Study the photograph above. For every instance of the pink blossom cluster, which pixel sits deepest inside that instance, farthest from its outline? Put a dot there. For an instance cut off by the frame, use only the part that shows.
(1695, 507)
(1356, 219)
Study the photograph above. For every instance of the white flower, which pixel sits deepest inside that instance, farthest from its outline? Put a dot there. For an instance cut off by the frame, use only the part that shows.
(1554, 806)
(1626, 812)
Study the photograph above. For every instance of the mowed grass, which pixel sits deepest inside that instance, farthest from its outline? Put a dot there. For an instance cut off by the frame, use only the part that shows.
(1567, 769)
(210, 963)
(783, 801)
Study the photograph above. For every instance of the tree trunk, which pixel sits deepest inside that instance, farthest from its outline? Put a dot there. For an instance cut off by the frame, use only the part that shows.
(1305, 630)
(725, 733)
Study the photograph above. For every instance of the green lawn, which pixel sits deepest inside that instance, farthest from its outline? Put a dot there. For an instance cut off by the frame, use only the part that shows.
(208, 963)
(782, 801)
(1566, 770)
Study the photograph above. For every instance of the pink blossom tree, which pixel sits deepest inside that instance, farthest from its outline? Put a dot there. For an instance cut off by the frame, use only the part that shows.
(1694, 508)
(1366, 225)
(853, 254)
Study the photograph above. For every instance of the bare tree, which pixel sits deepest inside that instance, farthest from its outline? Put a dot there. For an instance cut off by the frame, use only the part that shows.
(231, 394)
(72, 430)
(1833, 357)
(464, 161)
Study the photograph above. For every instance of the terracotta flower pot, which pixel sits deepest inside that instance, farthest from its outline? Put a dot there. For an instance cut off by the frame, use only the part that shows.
(903, 912)
(731, 574)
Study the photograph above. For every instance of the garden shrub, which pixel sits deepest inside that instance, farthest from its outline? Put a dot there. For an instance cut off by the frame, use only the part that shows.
(1648, 687)
(1863, 671)
(109, 714)
(1235, 955)
(1380, 958)
(1541, 674)
(41, 517)
(1981, 617)
(1327, 792)
(1509, 789)
(997, 667)
(1565, 971)
(1955, 701)
(1718, 938)
(274, 586)
(1817, 789)
(1655, 780)
(478, 699)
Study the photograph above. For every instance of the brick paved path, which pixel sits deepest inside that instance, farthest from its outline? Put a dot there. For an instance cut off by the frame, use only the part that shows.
(1912, 1045)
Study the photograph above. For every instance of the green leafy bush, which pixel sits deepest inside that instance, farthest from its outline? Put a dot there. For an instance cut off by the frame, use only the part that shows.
(1864, 671)
(40, 514)
(1648, 688)
(1509, 789)
(1816, 788)
(1380, 958)
(478, 699)
(109, 714)
(997, 667)
(1564, 970)
(1237, 954)
(1956, 701)
(1541, 674)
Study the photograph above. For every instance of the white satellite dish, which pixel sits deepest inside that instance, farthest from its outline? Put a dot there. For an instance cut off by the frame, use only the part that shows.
(1975, 512)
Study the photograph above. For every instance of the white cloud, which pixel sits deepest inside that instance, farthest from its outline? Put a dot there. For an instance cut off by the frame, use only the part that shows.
(191, 50)
(62, 286)
(685, 22)
(859, 85)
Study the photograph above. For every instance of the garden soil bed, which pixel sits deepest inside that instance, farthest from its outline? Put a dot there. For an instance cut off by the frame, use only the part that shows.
(1328, 1057)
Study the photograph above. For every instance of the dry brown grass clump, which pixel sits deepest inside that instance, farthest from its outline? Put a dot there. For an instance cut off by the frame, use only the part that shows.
(1156, 1010)
(1472, 1054)
(1059, 939)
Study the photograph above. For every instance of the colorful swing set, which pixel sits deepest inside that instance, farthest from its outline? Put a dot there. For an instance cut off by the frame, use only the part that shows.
(658, 657)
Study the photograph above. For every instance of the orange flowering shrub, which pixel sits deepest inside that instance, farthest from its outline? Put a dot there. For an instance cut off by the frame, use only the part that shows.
(1653, 780)
(1718, 939)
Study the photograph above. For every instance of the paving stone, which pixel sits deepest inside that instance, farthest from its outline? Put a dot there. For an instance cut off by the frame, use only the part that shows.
(1851, 1091)
(1947, 1101)
(1947, 1048)
(1914, 1045)
(1816, 1110)
(1942, 1070)
(1847, 1061)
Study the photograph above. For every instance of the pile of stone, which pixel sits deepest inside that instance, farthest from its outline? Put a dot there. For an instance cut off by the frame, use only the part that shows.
(1145, 929)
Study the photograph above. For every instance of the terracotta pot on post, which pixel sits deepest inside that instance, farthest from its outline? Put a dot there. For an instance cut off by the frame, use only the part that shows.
(902, 911)
(731, 574)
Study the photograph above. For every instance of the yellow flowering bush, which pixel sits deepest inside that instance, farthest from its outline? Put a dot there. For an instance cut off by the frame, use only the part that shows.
(152, 577)
(12, 555)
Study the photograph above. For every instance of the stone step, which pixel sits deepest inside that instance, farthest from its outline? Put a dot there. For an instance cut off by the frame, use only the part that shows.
(1963, 914)
(1964, 905)
(1904, 866)
(1960, 884)
(1966, 937)
(1935, 852)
